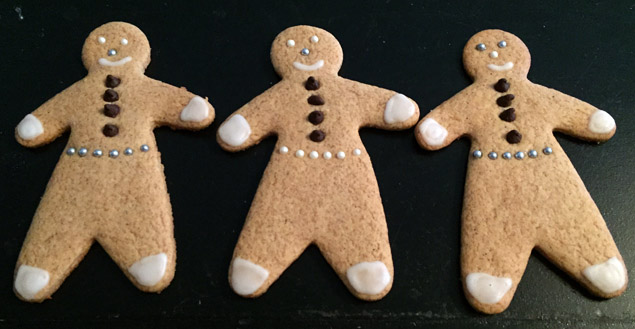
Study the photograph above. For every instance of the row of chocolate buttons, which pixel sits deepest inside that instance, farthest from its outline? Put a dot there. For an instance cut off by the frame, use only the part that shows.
(82, 152)
(508, 155)
(509, 115)
(316, 117)
(111, 110)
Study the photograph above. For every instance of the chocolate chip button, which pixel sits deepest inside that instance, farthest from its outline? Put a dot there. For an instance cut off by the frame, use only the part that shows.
(316, 100)
(111, 110)
(505, 101)
(317, 136)
(110, 130)
(502, 86)
(312, 84)
(508, 115)
(514, 137)
(111, 95)
(112, 81)
(316, 117)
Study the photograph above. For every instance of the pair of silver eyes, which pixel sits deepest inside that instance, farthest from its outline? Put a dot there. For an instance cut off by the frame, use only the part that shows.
(481, 46)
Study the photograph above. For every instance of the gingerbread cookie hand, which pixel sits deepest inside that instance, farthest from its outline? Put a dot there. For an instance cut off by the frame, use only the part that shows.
(540, 201)
(319, 187)
(111, 159)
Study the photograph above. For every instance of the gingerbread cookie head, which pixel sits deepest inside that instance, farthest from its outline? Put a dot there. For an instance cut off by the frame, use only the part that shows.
(491, 53)
(306, 50)
(116, 45)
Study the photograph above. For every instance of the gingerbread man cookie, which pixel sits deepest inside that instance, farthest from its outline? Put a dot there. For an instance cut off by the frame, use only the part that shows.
(521, 190)
(319, 186)
(108, 184)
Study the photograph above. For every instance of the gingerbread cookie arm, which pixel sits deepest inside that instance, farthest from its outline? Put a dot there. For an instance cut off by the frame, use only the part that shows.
(48, 121)
(250, 124)
(385, 109)
(178, 108)
(580, 119)
(445, 123)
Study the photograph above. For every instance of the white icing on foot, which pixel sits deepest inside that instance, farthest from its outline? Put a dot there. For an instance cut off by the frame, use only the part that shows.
(505, 67)
(433, 133)
(30, 280)
(247, 277)
(196, 110)
(601, 122)
(235, 131)
(487, 289)
(30, 127)
(312, 67)
(368, 277)
(149, 270)
(609, 276)
(105, 62)
(398, 109)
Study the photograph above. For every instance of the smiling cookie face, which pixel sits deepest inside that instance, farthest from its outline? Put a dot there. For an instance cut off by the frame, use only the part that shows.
(116, 44)
(496, 52)
(306, 50)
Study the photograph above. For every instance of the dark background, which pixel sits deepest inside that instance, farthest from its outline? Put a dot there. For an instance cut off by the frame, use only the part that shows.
(221, 50)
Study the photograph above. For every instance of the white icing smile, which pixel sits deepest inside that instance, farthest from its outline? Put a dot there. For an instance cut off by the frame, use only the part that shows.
(313, 67)
(505, 67)
(105, 62)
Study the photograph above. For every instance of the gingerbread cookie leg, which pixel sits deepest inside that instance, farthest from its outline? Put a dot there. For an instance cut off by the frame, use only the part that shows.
(48, 254)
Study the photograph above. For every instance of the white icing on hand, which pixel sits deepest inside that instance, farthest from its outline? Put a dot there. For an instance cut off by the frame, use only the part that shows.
(487, 289)
(368, 277)
(609, 276)
(398, 109)
(247, 277)
(30, 280)
(234, 131)
(432, 132)
(601, 122)
(149, 270)
(196, 110)
(105, 62)
(505, 67)
(312, 67)
(30, 127)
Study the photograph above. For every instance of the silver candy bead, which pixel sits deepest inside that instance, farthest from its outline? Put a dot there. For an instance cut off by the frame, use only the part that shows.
(547, 150)
(82, 152)
(70, 151)
(145, 148)
(112, 52)
(305, 52)
(128, 151)
(532, 153)
(493, 155)
(113, 153)
(481, 47)
(502, 44)
(519, 155)
(97, 153)
(477, 154)
(507, 155)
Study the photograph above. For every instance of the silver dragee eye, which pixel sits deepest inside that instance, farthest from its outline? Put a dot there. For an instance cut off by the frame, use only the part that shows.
(290, 43)
(124, 41)
(101, 40)
(502, 44)
(481, 47)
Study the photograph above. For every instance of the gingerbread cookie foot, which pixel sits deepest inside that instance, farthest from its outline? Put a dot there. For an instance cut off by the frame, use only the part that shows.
(487, 289)
(149, 270)
(399, 108)
(196, 110)
(369, 278)
(30, 127)
(29, 281)
(609, 277)
(247, 277)
(432, 132)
